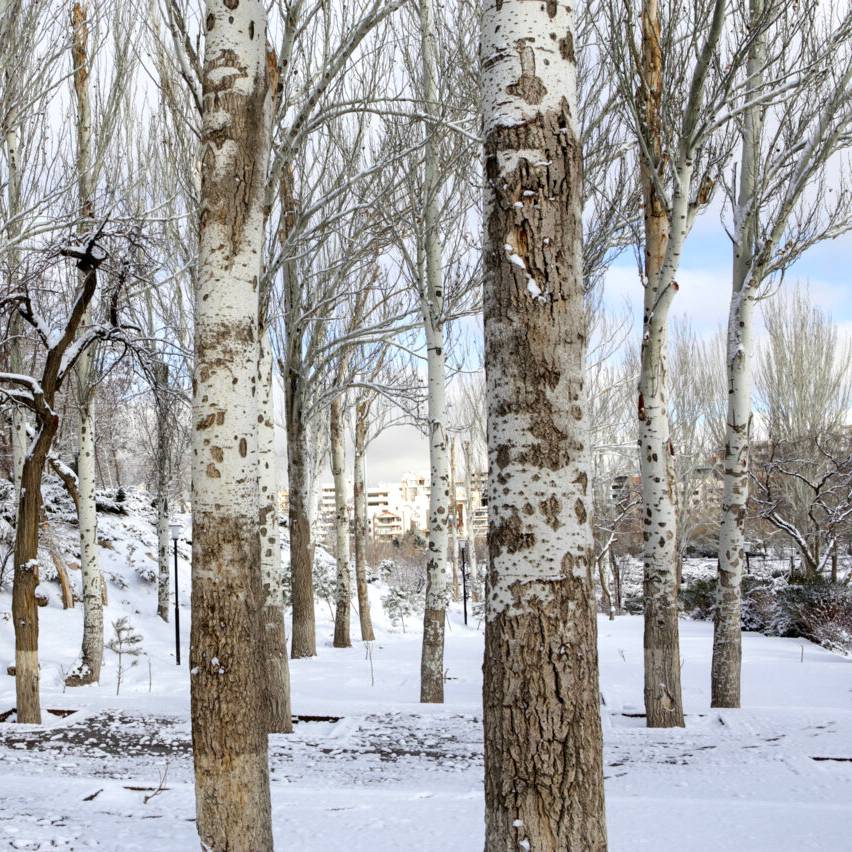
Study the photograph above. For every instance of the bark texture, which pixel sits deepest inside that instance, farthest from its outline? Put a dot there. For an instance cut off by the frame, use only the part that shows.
(228, 678)
(543, 762)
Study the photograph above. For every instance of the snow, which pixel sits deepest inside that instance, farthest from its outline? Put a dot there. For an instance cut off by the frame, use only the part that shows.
(385, 773)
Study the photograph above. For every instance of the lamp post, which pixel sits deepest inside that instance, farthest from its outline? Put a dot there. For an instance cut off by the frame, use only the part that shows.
(176, 530)
(462, 549)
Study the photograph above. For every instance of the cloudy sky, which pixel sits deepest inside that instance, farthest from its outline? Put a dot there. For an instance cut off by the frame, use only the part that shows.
(704, 294)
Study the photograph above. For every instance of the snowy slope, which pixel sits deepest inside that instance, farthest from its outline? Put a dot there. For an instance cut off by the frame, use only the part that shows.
(388, 774)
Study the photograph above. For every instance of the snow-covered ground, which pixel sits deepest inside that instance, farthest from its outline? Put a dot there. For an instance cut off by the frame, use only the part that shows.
(388, 774)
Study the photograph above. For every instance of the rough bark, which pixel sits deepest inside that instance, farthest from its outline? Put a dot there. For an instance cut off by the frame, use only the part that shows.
(228, 683)
(432, 304)
(343, 590)
(663, 702)
(24, 609)
(543, 761)
(362, 410)
(271, 569)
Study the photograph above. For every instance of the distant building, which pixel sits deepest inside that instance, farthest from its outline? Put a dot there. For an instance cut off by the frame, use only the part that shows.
(397, 508)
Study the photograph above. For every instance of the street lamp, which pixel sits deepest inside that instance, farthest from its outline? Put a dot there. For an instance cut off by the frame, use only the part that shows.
(176, 529)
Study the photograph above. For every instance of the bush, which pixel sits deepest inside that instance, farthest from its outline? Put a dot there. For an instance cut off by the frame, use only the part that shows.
(698, 598)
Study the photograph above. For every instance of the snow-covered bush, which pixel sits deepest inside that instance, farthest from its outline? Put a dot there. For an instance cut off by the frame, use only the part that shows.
(406, 589)
(398, 605)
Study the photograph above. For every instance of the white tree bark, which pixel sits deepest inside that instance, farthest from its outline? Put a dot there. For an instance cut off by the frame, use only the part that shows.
(727, 636)
(228, 683)
(88, 669)
(543, 753)
(432, 304)
(13, 198)
(343, 590)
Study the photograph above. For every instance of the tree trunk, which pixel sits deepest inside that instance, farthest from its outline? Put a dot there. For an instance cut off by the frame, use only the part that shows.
(454, 521)
(304, 642)
(663, 702)
(228, 683)
(362, 410)
(727, 636)
(343, 591)
(469, 534)
(161, 379)
(24, 609)
(543, 754)
(88, 669)
(271, 570)
(616, 580)
(606, 597)
(432, 303)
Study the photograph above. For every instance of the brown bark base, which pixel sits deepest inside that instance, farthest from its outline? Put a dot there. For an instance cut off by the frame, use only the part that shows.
(543, 750)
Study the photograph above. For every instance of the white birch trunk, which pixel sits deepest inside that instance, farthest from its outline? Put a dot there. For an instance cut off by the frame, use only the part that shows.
(432, 302)
(88, 669)
(727, 635)
(343, 590)
(543, 753)
(228, 683)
